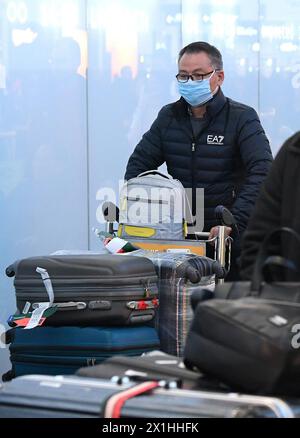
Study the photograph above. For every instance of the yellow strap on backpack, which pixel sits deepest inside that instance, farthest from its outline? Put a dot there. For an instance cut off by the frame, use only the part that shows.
(133, 231)
(185, 228)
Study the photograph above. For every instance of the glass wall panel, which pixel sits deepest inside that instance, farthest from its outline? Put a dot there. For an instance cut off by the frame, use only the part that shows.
(280, 69)
(232, 26)
(133, 49)
(43, 133)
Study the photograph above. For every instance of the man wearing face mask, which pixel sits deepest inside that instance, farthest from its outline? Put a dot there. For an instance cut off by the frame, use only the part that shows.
(208, 141)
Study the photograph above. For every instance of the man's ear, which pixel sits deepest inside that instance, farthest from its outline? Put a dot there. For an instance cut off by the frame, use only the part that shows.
(221, 77)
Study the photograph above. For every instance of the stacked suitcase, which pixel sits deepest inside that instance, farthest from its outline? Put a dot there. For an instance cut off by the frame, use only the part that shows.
(104, 305)
(76, 397)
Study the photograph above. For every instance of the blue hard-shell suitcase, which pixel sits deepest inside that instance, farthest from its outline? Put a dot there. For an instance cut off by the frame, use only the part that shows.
(62, 350)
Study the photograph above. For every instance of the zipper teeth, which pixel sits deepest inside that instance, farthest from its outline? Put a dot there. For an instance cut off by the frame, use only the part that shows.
(139, 288)
(84, 295)
(278, 302)
(56, 287)
(15, 352)
(134, 280)
(77, 360)
(193, 175)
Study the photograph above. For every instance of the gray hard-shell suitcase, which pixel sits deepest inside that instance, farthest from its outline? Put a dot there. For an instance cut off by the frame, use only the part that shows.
(75, 397)
(89, 290)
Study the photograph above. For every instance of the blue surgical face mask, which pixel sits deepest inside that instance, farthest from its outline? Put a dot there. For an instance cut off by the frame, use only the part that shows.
(196, 92)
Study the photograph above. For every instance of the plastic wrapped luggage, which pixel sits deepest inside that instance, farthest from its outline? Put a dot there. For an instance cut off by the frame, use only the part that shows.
(62, 350)
(76, 397)
(90, 290)
(180, 275)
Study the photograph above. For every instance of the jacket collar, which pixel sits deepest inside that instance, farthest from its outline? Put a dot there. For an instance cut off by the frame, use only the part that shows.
(180, 108)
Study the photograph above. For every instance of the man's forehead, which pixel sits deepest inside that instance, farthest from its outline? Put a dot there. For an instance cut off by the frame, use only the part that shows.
(194, 61)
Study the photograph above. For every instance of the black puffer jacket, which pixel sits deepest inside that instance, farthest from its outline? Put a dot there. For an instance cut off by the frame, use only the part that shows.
(277, 206)
(230, 158)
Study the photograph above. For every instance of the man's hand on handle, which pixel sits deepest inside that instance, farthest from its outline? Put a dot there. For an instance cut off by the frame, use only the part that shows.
(215, 230)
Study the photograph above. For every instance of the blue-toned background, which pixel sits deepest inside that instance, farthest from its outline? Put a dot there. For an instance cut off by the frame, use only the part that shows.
(66, 132)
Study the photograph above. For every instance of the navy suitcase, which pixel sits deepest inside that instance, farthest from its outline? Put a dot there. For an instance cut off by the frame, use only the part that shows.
(53, 350)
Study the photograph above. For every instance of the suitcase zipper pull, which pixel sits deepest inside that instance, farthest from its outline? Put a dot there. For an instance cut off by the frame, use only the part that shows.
(91, 362)
(146, 285)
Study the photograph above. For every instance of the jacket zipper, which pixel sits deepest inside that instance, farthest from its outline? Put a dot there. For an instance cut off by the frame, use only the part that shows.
(193, 178)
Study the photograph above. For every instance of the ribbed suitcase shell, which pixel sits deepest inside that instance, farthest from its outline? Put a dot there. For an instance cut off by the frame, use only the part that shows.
(106, 284)
(54, 350)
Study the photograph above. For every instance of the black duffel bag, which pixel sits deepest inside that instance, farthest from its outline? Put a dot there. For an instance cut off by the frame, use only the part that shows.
(249, 344)
(250, 341)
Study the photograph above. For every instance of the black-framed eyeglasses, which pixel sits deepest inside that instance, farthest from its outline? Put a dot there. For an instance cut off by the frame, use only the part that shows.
(181, 77)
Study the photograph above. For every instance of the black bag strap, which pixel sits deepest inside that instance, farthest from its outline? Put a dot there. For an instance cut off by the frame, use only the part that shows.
(262, 257)
(281, 264)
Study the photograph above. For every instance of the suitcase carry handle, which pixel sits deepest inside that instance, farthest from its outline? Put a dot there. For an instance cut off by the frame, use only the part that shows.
(154, 172)
(262, 257)
(7, 338)
(7, 377)
(65, 306)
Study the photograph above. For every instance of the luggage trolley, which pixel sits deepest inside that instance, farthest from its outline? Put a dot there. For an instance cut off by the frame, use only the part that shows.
(222, 243)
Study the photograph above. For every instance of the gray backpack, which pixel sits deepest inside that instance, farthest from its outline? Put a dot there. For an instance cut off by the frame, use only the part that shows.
(152, 206)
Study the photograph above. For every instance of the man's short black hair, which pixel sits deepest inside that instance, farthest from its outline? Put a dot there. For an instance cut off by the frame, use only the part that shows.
(200, 46)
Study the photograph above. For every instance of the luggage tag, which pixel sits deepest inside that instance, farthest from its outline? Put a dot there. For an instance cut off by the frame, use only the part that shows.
(38, 313)
(23, 319)
(115, 245)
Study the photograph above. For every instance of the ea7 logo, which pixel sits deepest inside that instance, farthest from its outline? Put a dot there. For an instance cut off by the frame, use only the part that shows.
(215, 139)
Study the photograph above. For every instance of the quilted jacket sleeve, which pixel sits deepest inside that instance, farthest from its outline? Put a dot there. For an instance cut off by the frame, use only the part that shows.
(257, 158)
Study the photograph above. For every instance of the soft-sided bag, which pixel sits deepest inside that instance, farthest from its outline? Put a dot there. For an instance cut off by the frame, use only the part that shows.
(250, 344)
(247, 336)
(152, 205)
